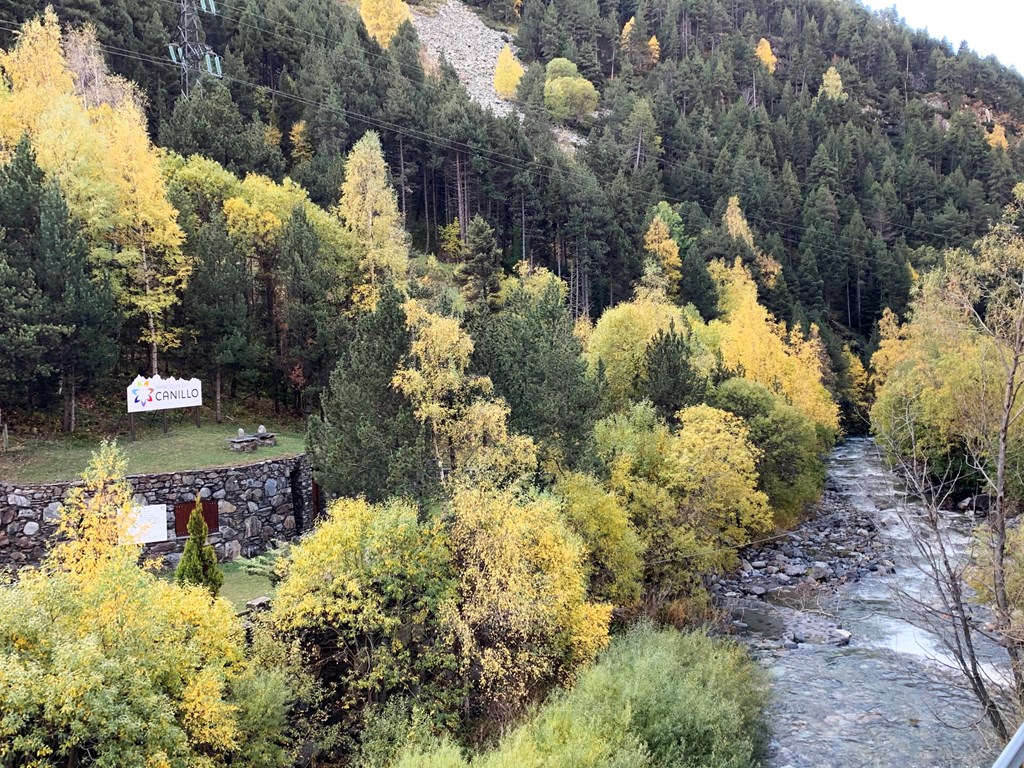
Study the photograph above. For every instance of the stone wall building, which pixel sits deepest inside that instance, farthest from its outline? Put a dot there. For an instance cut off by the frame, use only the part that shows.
(246, 507)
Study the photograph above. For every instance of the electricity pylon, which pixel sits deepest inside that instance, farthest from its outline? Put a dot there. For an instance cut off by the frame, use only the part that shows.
(190, 51)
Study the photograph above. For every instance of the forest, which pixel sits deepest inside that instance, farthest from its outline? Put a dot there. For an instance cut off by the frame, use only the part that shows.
(553, 388)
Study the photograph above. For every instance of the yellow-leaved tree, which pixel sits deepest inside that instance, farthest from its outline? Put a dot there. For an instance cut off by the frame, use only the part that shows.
(369, 208)
(769, 269)
(615, 549)
(524, 623)
(627, 33)
(88, 130)
(507, 73)
(758, 347)
(997, 139)
(467, 429)
(658, 243)
(618, 342)
(92, 645)
(149, 266)
(368, 595)
(692, 493)
(654, 48)
(765, 55)
(832, 86)
(383, 18)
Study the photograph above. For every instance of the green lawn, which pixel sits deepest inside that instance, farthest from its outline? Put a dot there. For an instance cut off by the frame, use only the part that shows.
(240, 587)
(184, 447)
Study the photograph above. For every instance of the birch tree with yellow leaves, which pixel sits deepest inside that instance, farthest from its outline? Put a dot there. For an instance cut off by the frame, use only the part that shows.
(89, 131)
(468, 429)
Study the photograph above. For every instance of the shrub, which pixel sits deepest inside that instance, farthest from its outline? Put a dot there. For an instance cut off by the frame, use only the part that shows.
(560, 68)
(790, 466)
(657, 699)
(363, 596)
(615, 549)
(570, 98)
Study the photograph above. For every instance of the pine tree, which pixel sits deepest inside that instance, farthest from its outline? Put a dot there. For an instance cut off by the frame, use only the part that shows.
(215, 306)
(480, 274)
(365, 441)
(696, 286)
(79, 301)
(670, 381)
(552, 33)
(198, 564)
(26, 334)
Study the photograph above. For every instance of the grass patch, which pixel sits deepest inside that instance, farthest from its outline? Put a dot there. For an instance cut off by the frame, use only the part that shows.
(42, 460)
(240, 586)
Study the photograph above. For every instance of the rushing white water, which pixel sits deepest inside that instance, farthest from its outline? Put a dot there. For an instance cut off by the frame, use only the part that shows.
(890, 697)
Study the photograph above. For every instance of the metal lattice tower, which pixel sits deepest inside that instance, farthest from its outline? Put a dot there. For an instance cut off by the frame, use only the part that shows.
(190, 51)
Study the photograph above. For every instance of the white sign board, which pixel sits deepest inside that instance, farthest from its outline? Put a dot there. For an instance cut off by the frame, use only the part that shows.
(150, 524)
(152, 393)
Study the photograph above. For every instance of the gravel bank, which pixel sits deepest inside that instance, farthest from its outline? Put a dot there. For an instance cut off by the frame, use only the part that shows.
(468, 44)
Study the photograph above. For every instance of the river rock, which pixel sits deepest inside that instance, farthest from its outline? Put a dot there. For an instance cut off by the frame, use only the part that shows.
(819, 571)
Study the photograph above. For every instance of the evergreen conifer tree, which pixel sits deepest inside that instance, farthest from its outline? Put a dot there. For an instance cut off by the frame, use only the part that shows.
(696, 286)
(365, 441)
(670, 381)
(198, 564)
(480, 273)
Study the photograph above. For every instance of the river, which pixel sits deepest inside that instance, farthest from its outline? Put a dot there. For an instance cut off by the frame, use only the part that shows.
(885, 699)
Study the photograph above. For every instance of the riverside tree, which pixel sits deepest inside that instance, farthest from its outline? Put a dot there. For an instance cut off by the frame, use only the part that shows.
(948, 411)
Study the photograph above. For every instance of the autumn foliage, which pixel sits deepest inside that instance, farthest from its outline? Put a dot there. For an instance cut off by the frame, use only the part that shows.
(383, 18)
(507, 73)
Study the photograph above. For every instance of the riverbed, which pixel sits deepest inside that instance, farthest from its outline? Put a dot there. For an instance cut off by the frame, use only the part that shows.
(857, 682)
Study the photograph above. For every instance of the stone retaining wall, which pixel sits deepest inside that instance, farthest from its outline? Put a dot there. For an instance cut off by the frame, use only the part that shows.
(256, 504)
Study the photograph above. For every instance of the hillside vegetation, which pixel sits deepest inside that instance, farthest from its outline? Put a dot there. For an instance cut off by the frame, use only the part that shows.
(551, 395)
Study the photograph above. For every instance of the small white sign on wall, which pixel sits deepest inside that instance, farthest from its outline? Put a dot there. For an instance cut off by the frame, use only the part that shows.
(150, 524)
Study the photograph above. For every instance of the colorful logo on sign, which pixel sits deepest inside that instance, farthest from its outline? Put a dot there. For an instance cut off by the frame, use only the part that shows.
(142, 392)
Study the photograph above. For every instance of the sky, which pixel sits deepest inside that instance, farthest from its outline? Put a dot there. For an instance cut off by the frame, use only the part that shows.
(989, 26)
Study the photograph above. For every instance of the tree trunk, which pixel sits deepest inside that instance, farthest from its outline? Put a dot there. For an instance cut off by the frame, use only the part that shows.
(522, 210)
(426, 210)
(65, 390)
(216, 387)
(152, 343)
(460, 195)
(401, 173)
